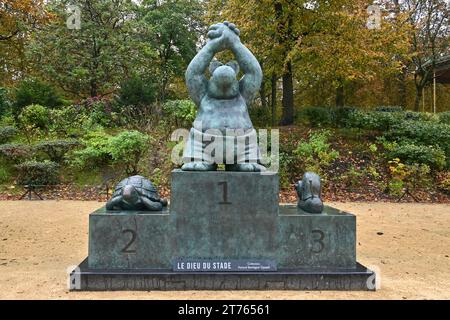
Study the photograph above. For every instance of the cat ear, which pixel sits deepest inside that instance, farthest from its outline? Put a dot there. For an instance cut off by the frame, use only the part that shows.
(214, 65)
(233, 64)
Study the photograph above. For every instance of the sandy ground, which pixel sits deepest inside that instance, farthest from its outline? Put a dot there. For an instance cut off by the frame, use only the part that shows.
(39, 240)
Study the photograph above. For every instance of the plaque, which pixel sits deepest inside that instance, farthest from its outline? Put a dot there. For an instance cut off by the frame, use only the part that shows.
(223, 265)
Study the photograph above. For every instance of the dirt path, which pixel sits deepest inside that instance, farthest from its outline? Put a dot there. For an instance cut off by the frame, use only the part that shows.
(40, 240)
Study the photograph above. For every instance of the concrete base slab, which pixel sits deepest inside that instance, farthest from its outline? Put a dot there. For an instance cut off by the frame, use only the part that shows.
(85, 279)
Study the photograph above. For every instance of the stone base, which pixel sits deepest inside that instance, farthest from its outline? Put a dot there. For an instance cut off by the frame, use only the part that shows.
(85, 279)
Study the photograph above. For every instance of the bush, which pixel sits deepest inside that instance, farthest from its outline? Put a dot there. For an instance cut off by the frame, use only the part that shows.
(421, 132)
(35, 92)
(444, 117)
(180, 112)
(317, 152)
(420, 116)
(96, 152)
(7, 133)
(15, 152)
(5, 104)
(389, 109)
(407, 176)
(316, 116)
(56, 150)
(99, 111)
(419, 154)
(136, 92)
(378, 121)
(5, 174)
(37, 173)
(34, 116)
(127, 149)
(342, 114)
(444, 183)
(68, 121)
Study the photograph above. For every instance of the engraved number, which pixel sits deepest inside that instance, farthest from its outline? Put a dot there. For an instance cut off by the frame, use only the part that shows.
(319, 241)
(225, 192)
(127, 249)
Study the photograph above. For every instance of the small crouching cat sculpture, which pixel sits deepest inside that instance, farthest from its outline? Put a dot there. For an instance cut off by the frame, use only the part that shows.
(309, 192)
(136, 193)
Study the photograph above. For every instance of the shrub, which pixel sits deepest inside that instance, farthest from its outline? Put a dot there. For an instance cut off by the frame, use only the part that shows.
(34, 116)
(180, 112)
(444, 183)
(37, 173)
(389, 109)
(286, 163)
(444, 117)
(421, 132)
(56, 150)
(7, 133)
(403, 176)
(420, 116)
(342, 115)
(127, 149)
(352, 177)
(419, 154)
(5, 104)
(136, 92)
(5, 174)
(316, 116)
(15, 152)
(35, 92)
(99, 111)
(95, 153)
(317, 152)
(372, 120)
(68, 121)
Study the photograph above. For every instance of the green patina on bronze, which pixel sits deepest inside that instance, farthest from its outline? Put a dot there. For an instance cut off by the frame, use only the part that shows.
(222, 100)
(230, 215)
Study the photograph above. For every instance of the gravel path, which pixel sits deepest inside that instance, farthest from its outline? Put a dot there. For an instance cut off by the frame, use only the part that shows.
(408, 243)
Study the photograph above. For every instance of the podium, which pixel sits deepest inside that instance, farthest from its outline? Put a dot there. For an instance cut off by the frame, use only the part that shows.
(222, 231)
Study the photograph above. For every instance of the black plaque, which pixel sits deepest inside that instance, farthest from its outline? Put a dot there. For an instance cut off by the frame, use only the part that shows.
(223, 265)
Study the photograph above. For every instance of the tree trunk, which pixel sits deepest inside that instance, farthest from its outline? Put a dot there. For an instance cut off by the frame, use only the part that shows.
(420, 80)
(262, 93)
(418, 98)
(262, 90)
(340, 96)
(94, 89)
(273, 100)
(402, 88)
(288, 97)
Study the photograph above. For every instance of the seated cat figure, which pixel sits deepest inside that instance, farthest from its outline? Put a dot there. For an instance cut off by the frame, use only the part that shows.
(222, 119)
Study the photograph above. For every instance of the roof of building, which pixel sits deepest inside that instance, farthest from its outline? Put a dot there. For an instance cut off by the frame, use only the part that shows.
(442, 68)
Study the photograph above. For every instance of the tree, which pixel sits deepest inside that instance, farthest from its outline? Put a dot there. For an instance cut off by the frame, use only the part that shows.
(429, 37)
(17, 18)
(341, 48)
(172, 28)
(269, 30)
(90, 61)
(34, 91)
(309, 41)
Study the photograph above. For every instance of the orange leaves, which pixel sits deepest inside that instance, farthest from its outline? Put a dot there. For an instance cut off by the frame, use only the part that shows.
(17, 16)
